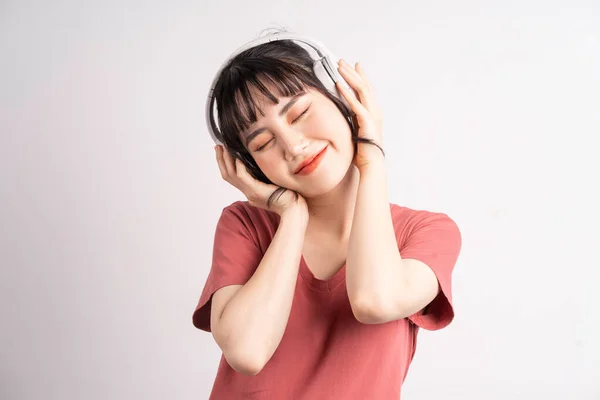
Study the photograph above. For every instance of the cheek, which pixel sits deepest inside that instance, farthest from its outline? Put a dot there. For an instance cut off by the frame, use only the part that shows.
(338, 131)
(270, 167)
(333, 121)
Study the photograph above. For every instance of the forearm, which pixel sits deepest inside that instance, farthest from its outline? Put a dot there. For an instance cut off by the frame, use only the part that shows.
(255, 318)
(373, 268)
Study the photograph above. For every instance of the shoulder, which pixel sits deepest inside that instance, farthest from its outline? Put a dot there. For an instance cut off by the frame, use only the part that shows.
(253, 221)
(408, 221)
(411, 216)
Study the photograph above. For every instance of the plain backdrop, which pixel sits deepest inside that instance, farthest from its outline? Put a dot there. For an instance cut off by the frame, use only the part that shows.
(110, 192)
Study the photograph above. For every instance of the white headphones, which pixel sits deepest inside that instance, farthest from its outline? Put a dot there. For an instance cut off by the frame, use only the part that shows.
(325, 68)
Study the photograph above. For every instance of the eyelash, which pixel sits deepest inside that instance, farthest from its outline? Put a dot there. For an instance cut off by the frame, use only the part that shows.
(297, 118)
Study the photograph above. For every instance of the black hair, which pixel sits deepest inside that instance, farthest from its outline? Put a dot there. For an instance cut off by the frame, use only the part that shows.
(289, 68)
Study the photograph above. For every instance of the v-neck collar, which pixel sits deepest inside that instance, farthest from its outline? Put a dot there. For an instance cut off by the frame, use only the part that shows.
(326, 285)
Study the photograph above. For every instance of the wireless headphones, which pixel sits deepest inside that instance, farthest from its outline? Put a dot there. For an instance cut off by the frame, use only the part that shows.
(324, 66)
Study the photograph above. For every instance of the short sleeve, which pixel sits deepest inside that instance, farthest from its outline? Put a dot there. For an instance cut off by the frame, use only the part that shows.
(434, 239)
(236, 255)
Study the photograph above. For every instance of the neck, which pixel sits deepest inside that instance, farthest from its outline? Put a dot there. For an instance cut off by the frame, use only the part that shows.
(332, 213)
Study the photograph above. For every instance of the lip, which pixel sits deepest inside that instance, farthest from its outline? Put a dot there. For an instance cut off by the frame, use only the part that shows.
(310, 164)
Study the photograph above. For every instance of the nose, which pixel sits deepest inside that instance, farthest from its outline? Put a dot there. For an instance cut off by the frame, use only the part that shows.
(293, 143)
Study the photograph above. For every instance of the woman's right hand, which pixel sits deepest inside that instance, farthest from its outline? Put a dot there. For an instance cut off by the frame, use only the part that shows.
(257, 192)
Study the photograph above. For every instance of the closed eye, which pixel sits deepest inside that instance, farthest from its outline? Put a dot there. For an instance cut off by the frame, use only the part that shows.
(263, 146)
(300, 116)
(296, 119)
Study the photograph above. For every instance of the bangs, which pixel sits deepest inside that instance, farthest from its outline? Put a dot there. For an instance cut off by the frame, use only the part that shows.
(244, 87)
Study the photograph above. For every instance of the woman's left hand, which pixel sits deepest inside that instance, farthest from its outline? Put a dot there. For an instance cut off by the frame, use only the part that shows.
(368, 115)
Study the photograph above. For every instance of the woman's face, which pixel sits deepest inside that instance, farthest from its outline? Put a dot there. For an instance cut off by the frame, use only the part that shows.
(295, 130)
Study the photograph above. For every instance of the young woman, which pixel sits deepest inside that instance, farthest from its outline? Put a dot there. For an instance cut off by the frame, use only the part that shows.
(318, 284)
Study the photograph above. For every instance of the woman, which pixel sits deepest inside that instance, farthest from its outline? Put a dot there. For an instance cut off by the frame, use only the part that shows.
(318, 284)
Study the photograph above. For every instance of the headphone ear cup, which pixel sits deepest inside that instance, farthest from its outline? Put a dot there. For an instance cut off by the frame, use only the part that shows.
(326, 70)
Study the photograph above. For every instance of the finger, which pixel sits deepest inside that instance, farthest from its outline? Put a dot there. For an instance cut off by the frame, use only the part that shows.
(242, 172)
(228, 161)
(247, 179)
(253, 189)
(356, 82)
(373, 108)
(355, 104)
(370, 102)
(221, 162)
(361, 71)
(353, 78)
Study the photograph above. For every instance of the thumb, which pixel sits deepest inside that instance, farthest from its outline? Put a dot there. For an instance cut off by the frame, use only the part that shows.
(247, 179)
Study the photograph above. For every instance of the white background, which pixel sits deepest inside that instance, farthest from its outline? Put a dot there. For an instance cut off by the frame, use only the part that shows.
(110, 191)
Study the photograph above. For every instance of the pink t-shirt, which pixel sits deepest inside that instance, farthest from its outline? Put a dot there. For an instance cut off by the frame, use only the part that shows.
(325, 353)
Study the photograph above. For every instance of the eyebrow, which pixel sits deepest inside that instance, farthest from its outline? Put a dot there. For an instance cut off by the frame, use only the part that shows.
(284, 110)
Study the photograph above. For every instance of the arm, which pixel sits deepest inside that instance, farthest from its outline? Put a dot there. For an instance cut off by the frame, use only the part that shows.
(248, 321)
(381, 285)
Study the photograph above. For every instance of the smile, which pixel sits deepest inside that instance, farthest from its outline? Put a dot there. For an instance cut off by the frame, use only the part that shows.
(310, 167)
